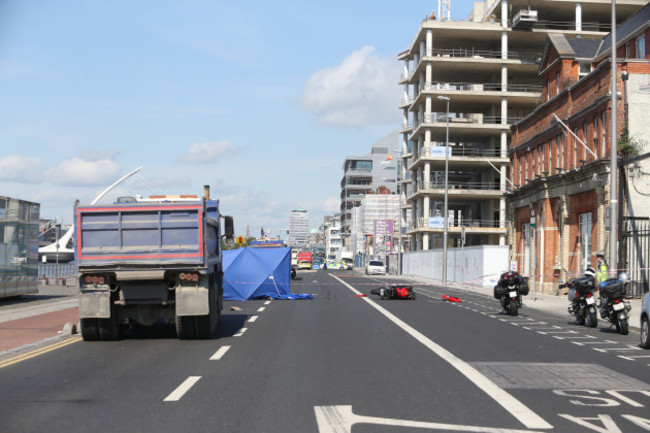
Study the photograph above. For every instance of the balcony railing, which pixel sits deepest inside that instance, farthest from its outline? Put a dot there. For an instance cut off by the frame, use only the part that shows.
(571, 25)
(467, 151)
(420, 223)
(467, 118)
(494, 186)
(471, 53)
(480, 87)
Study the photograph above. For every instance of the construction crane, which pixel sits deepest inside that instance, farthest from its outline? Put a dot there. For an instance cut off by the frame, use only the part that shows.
(444, 10)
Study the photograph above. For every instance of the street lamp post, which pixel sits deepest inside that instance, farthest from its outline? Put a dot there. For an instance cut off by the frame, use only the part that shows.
(446, 215)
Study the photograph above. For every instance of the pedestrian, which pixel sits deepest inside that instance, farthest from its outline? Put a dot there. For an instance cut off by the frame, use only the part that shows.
(602, 269)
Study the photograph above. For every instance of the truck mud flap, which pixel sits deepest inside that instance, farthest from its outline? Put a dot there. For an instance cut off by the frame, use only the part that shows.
(192, 302)
(95, 305)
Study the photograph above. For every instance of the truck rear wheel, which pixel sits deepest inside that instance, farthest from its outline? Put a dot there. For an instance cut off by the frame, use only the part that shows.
(206, 325)
(109, 329)
(185, 327)
(89, 329)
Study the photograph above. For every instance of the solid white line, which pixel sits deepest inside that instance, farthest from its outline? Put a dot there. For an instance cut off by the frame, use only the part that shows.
(219, 353)
(259, 310)
(520, 411)
(253, 318)
(182, 389)
(340, 419)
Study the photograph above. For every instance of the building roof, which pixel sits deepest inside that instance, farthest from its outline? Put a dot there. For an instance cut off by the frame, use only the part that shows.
(573, 48)
(625, 30)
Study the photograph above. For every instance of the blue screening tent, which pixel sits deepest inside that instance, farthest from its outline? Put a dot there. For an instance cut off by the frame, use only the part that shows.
(251, 273)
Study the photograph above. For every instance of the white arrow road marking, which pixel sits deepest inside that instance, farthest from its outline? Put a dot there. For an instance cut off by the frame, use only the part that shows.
(520, 411)
(182, 388)
(219, 353)
(340, 419)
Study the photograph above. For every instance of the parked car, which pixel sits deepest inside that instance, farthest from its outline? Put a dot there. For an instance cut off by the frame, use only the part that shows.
(335, 264)
(348, 262)
(304, 264)
(645, 321)
(376, 267)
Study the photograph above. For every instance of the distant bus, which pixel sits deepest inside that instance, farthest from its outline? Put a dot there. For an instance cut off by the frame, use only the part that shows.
(18, 247)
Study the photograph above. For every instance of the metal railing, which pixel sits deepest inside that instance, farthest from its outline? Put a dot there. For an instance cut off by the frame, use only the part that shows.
(479, 87)
(487, 186)
(468, 118)
(422, 222)
(472, 53)
(571, 25)
(461, 150)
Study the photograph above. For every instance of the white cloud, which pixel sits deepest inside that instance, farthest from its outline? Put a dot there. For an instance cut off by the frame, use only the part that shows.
(81, 172)
(209, 151)
(22, 169)
(361, 91)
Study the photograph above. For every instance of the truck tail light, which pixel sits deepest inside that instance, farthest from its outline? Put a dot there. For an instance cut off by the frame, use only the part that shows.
(187, 276)
(94, 279)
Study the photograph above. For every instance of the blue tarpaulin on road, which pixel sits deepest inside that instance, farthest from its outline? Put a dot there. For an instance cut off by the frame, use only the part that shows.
(251, 273)
(292, 296)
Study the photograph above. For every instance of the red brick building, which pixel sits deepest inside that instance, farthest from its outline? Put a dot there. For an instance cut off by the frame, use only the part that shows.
(558, 212)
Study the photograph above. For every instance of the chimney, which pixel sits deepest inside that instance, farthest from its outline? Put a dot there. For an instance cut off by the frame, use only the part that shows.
(206, 192)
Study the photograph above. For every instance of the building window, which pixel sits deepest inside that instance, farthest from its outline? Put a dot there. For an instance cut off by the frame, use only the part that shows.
(585, 68)
(584, 222)
(640, 47)
(627, 50)
(560, 146)
(584, 139)
(575, 148)
(557, 83)
(596, 132)
(542, 159)
(603, 126)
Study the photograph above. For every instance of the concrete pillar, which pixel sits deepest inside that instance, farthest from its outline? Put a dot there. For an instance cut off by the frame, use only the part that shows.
(578, 17)
(423, 48)
(429, 47)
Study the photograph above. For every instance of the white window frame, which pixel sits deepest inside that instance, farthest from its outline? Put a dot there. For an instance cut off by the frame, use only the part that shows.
(640, 47)
(596, 133)
(603, 127)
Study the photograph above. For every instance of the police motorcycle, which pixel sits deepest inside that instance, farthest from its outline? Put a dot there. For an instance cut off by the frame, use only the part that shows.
(614, 306)
(509, 290)
(583, 301)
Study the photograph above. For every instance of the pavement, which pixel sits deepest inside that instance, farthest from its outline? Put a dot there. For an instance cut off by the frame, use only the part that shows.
(37, 319)
(53, 313)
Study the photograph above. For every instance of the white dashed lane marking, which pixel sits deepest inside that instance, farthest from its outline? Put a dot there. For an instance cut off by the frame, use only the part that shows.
(179, 392)
(219, 353)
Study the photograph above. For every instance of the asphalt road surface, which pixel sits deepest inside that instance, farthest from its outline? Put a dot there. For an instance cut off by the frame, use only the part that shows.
(342, 362)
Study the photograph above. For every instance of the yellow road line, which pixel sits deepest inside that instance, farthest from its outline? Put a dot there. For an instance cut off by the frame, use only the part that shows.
(37, 352)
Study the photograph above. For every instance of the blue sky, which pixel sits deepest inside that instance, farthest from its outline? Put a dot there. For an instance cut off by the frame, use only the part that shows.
(260, 100)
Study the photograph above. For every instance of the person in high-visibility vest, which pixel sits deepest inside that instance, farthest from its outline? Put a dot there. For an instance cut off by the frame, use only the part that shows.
(602, 269)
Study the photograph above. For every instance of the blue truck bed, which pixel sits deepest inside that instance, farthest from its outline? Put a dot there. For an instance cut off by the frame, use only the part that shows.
(140, 233)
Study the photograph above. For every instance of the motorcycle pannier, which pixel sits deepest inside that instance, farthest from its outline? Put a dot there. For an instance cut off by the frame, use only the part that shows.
(584, 285)
(523, 289)
(612, 289)
(499, 291)
(572, 294)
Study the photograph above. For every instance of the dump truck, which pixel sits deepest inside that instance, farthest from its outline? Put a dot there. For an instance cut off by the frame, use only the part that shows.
(150, 260)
